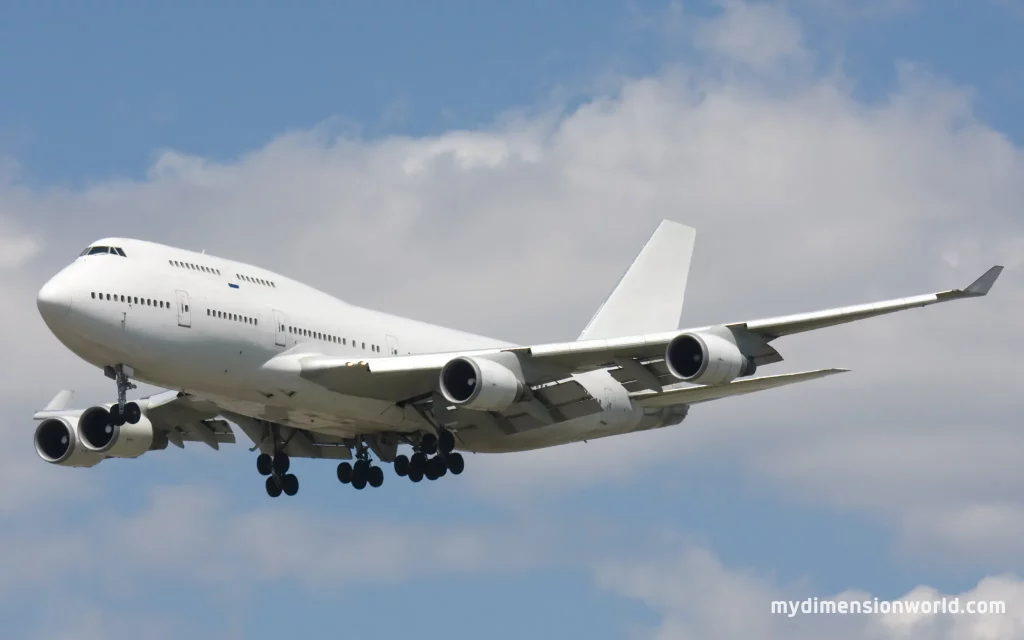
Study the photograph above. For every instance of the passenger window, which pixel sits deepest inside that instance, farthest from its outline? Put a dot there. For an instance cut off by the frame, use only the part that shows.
(186, 307)
(93, 295)
(364, 345)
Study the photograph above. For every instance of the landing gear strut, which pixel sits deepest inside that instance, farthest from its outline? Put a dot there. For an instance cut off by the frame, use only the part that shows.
(276, 469)
(123, 411)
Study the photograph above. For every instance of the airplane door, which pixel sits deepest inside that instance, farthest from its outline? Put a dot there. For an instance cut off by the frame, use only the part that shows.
(392, 345)
(184, 309)
(279, 328)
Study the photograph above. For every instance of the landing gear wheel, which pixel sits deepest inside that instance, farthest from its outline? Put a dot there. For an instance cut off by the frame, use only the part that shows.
(418, 463)
(344, 473)
(359, 474)
(281, 463)
(273, 488)
(428, 444)
(401, 465)
(446, 441)
(431, 473)
(415, 474)
(455, 463)
(375, 476)
(264, 464)
(116, 419)
(290, 484)
(132, 413)
(440, 467)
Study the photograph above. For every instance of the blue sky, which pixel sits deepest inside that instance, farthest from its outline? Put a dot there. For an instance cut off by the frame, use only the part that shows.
(91, 91)
(95, 97)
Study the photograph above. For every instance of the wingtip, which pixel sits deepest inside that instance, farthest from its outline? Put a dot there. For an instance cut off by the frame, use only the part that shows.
(982, 285)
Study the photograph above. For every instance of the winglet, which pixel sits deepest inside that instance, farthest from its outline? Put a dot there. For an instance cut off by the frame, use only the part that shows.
(60, 401)
(982, 285)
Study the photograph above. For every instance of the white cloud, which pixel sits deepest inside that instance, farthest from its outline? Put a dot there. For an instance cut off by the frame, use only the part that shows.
(695, 596)
(16, 248)
(192, 533)
(756, 34)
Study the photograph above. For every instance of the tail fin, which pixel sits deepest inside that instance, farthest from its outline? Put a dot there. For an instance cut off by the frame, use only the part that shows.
(649, 297)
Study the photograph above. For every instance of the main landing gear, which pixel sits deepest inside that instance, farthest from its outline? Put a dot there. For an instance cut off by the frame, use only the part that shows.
(123, 411)
(362, 473)
(444, 458)
(275, 468)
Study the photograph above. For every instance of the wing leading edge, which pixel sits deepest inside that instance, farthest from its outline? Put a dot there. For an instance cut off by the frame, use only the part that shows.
(401, 378)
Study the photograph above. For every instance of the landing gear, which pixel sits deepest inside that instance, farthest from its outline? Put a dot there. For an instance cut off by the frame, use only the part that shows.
(274, 467)
(435, 456)
(123, 411)
(363, 472)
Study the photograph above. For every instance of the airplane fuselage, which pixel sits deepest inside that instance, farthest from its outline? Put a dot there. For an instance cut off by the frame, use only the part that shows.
(208, 326)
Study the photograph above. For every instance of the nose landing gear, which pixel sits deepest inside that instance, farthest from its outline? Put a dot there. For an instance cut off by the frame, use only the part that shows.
(123, 411)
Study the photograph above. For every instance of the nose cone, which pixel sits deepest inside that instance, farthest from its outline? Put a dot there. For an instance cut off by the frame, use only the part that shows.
(54, 300)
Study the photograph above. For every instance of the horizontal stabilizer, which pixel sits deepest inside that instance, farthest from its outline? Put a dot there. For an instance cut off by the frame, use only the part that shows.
(691, 395)
(61, 401)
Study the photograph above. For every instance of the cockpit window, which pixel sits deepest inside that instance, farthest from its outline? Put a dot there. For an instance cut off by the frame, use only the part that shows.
(92, 251)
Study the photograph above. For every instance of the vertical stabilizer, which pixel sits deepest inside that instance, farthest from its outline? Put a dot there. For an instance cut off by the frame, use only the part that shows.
(649, 297)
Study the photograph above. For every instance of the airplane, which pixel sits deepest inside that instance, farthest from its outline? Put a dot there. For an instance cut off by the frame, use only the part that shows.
(304, 374)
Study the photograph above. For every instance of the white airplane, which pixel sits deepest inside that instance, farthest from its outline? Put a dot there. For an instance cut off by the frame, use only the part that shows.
(302, 373)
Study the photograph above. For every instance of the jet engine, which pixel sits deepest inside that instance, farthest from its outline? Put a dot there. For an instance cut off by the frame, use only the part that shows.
(480, 384)
(57, 443)
(705, 358)
(124, 441)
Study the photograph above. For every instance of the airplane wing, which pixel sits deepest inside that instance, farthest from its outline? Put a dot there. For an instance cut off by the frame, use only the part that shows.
(636, 361)
(187, 418)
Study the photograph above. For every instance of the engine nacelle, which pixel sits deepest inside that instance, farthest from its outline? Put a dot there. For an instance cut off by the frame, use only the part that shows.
(480, 384)
(57, 443)
(705, 358)
(126, 441)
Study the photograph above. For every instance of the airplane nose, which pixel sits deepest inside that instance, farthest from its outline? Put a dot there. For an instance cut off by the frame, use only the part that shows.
(54, 300)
